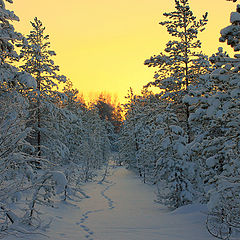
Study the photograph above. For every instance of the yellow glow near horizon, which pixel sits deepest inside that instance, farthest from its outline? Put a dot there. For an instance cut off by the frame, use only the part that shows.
(101, 44)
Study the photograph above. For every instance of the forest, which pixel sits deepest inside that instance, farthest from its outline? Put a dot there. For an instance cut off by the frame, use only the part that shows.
(181, 134)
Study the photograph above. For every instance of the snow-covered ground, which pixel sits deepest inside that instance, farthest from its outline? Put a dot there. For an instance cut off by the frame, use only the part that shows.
(122, 208)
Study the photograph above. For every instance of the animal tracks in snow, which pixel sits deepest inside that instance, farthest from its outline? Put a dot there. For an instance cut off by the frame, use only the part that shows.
(90, 213)
(109, 200)
(122, 208)
(87, 230)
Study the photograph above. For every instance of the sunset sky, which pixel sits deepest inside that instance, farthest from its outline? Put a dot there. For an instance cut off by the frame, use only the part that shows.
(101, 44)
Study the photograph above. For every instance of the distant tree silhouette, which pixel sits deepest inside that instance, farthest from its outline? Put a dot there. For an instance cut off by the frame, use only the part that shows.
(109, 110)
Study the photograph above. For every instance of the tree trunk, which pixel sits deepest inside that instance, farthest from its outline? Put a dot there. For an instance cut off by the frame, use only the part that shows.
(39, 127)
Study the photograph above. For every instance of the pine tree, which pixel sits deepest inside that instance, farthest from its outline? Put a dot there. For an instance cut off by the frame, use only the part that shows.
(181, 63)
(37, 58)
(8, 36)
(10, 77)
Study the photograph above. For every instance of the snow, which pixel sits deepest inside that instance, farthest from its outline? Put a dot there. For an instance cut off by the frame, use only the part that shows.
(235, 93)
(60, 179)
(165, 143)
(180, 149)
(235, 17)
(225, 31)
(211, 162)
(122, 208)
(160, 132)
(27, 80)
(214, 200)
(176, 129)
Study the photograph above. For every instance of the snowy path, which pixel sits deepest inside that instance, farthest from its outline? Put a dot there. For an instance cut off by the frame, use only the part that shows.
(123, 209)
(130, 213)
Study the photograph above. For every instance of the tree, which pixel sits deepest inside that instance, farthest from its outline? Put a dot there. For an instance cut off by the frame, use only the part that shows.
(18, 172)
(215, 118)
(174, 173)
(129, 142)
(231, 33)
(180, 65)
(110, 111)
(95, 148)
(137, 142)
(74, 101)
(10, 77)
(223, 141)
(8, 35)
(37, 58)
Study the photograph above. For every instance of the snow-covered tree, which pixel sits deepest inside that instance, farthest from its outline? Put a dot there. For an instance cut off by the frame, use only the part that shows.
(37, 58)
(148, 108)
(13, 161)
(19, 175)
(95, 146)
(231, 33)
(8, 35)
(174, 172)
(153, 143)
(223, 135)
(36, 117)
(182, 61)
(137, 142)
(109, 109)
(216, 122)
(72, 111)
(10, 77)
(74, 101)
(129, 137)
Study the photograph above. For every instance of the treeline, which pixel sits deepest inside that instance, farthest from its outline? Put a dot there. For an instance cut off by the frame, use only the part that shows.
(185, 139)
(51, 141)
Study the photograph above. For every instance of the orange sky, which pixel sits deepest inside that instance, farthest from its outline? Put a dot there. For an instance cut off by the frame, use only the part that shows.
(101, 44)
